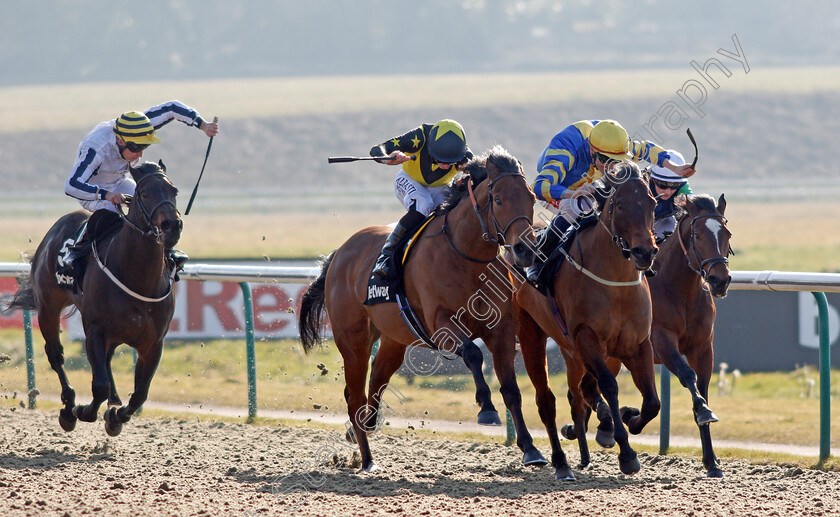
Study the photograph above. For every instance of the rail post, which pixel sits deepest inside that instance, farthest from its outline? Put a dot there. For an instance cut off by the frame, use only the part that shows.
(825, 377)
(665, 411)
(250, 356)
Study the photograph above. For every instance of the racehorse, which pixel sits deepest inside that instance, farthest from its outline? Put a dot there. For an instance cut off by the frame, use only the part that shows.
(600, 308)
(445, 282)
(692, 269)
(126, 295)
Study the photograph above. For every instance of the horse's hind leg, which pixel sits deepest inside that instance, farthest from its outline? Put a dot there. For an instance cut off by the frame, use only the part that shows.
(49, 322)
(703, 362)
(95, 348)
(355, 348)
(474, 360)
(147, 363)
(388, 360)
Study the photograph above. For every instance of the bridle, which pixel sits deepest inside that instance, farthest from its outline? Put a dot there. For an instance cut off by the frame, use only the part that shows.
(617, 239)
(701, 268)
(152, 230)
(499, 231)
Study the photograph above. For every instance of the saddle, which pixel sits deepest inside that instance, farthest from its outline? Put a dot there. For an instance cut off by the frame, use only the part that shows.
(71, 259)
(386, 290)
(558, 255)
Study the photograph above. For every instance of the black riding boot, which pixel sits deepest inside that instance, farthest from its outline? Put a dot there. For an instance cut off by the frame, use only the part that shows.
(408, 223)
(74, 260)
(548, 243)
(176, 259)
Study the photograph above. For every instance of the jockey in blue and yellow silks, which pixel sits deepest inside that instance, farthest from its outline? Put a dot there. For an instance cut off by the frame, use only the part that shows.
(431, 156)
(574, 159)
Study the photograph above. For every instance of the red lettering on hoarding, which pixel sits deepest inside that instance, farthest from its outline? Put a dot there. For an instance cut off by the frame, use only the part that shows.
(269, 299)
(197, 300)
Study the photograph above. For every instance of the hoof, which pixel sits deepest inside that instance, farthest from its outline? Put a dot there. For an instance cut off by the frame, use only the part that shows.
(714, 472)
(78, 412)
(350, 436)
(533, 458)
(605, 439)
(112, 424)
(568, 432)
(705, 417)
(67, 419)
(627, 413)
(489, 418)
(630, 466)
(564, 474)
(372, 467)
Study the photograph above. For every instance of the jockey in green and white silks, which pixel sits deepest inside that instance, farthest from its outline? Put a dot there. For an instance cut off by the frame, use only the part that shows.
(100, 177)
(665, 185)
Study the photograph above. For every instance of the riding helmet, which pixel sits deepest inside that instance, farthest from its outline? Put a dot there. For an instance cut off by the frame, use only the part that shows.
(609, 138)
(447, 142)
(134, 126)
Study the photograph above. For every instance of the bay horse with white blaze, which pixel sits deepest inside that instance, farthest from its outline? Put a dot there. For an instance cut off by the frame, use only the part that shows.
(125, 296)
(443, 278)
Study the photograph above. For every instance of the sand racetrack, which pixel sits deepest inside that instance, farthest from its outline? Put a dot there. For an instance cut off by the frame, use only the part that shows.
(203, 467)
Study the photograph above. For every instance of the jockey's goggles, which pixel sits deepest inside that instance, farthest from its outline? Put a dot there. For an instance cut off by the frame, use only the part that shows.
(136, 148)
(672, 185)
(603, 158)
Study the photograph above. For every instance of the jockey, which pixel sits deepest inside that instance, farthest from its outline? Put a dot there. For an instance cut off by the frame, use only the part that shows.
(665, 186)
(574, 159)
(431, 156)
(100, 178)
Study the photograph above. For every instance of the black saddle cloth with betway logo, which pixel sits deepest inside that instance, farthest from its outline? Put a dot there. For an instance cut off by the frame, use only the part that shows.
(381, 290)
(99, 226)
(558, 255)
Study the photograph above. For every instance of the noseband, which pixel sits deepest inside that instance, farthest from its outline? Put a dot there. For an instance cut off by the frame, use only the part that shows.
(700, 270)
(153, 231)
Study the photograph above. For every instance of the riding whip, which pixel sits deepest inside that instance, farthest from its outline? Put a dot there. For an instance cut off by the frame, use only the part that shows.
(691, 137)
(192, 197)
(345, 159)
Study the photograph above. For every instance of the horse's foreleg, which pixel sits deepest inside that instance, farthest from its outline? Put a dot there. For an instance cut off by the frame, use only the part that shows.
(532, 343)
(474, 360)
(113, 397)
(502, 345)
(147, 362)
(703, 362)
(388, 360)
(49, 324)
(95, 348)
(587, 344)
(641, 369)
(666, 345)
(575, 372)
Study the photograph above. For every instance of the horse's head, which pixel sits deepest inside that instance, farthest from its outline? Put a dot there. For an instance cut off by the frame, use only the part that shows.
(507, 215)
(152, 208)
(628, 213)
(703, 227)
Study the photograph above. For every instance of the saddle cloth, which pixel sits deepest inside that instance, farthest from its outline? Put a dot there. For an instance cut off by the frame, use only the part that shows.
(385, 290)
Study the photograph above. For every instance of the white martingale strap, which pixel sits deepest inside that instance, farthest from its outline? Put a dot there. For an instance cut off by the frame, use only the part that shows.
(125, 288)
(597, 278)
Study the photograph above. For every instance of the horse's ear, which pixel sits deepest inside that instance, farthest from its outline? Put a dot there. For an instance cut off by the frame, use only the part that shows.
(721, 204)
(162, 165)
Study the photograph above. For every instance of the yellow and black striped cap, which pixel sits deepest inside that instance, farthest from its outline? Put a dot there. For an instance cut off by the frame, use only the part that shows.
(133, 126)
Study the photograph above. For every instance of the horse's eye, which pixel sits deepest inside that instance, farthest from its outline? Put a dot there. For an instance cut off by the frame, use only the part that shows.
(498, 200)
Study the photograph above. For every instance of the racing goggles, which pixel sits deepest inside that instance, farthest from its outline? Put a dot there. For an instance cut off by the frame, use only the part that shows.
(136, 148)
(671, 185)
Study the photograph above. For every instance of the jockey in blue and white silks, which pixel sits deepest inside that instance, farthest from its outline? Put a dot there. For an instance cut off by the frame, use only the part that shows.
(665, 186)
(100, 177)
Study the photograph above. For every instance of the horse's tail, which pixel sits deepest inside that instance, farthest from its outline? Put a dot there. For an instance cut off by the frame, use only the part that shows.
(24, 298)
(312, 308)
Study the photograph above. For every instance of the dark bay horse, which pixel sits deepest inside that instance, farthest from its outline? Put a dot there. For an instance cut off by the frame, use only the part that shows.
(601, 308)
(126, 296)
(446, 283)
(692, 269)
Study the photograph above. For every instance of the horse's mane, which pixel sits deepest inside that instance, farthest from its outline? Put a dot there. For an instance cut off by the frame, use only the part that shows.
(476, 170)
(704, 202)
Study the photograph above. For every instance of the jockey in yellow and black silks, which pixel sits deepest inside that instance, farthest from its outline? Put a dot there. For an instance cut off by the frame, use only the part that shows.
(570, 164)
(431, 155)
